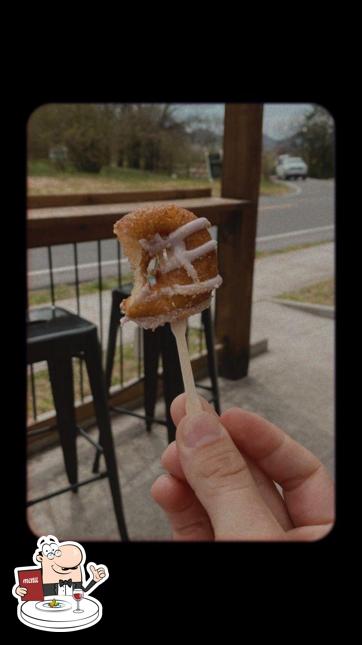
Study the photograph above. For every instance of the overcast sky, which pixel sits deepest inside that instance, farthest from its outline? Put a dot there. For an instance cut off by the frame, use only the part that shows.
(278, 117)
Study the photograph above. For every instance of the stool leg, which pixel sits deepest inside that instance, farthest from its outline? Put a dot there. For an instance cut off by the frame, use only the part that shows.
(211, 356)
(114, 323)
(97, 384)
(151, 353)
(61, 379)
(95, 468)
(172, 377)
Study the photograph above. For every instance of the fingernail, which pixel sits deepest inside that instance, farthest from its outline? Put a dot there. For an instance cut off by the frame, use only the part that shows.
(200, 429)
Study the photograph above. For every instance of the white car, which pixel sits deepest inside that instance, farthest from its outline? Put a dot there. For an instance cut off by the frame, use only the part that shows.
(291, 168)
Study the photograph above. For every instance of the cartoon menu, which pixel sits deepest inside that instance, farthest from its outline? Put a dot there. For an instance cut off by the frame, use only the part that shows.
(31, 579)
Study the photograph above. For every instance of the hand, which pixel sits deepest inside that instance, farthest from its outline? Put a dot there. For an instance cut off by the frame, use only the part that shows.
(21, 591)
(97, 572)
(221, 478)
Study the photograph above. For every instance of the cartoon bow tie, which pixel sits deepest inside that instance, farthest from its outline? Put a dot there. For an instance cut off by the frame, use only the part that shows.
(68, 582)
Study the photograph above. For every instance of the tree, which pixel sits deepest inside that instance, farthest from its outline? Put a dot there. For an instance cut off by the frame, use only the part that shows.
(150, 137)
(145, 136)
(46, 129)
(87, 137)
(314, 141)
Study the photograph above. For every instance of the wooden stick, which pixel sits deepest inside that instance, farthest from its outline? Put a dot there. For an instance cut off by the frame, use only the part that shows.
(193, 403)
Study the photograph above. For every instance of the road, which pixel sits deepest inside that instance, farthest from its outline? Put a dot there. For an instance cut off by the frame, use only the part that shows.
(307, 215)
(304, 215)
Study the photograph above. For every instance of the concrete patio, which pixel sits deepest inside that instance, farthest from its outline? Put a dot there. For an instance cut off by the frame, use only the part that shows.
(292, 385)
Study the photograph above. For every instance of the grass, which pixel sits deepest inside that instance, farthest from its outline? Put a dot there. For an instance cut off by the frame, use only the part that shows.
(288, 249)
(130, 362)
(45, 179)
(64, 291)
(319, 293)
(38, 297)
(269, 188)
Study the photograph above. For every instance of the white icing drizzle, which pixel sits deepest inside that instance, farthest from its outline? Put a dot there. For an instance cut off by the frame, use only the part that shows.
(177, 255)
(182, 257)
(158, 243)
(148, 294)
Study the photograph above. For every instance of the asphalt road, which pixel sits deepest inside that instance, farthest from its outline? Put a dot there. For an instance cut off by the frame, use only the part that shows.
(306, 215)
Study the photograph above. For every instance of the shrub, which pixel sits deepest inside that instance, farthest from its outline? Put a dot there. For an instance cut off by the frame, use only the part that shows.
(85, 138)
(267, 164)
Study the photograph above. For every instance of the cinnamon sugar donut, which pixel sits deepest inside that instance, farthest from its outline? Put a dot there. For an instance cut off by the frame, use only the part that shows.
(174, 262)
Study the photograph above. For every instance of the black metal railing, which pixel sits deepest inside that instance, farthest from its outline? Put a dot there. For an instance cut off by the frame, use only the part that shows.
(80, 284)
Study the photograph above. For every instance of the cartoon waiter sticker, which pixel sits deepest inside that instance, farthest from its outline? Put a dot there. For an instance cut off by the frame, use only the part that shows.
(54, 595)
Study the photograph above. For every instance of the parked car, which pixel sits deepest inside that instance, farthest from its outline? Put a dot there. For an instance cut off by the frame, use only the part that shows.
(291, 168)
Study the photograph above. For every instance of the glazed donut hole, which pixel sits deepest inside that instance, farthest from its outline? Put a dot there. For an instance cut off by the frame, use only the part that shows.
(174, 264)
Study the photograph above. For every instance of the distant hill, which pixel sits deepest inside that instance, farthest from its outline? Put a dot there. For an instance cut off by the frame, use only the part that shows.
(269, 143)
(208, 138)
(279, 146)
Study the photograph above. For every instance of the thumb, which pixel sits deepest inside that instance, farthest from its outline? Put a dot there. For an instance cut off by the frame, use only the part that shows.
(93, 568)
(220, 478)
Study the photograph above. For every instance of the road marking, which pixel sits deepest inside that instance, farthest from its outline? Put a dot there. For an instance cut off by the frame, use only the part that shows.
(71, 267)
(294, 233)
(274, 207)
(91, 265)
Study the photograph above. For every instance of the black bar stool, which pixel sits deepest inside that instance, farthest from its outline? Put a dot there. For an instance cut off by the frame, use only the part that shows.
(158, 343)
(56, 335)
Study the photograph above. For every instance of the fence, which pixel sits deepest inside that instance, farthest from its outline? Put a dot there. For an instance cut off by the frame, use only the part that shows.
(82, 233)
(85, 289)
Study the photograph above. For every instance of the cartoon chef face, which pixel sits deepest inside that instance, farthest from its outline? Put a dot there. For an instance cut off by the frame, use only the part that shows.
(59, 560)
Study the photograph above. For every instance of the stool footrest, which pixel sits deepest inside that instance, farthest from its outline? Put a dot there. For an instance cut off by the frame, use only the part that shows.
(139, 416)
(205, 387)
(67, 488)
(89, 439)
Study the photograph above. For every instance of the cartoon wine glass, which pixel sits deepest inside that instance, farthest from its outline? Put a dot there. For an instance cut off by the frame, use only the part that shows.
(78, 594)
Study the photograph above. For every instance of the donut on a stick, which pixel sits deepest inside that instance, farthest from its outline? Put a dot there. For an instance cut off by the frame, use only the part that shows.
(174, 262)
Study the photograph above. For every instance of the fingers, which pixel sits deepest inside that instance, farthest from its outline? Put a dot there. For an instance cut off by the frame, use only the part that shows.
(171, 462)
(270, 495)
(308, 489)
(21, 591)
(188, 519)
(221, 480)
(178, 408)
(309, 533)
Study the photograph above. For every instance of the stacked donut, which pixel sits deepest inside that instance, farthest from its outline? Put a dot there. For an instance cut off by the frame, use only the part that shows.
(174, 262)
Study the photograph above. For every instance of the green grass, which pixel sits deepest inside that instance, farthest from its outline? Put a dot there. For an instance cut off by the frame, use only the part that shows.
(64, 291)
(44, 398)
(38, 297)
(44, 168)
(319, 293)
(269, 188)
(45, 179)
(288, 249)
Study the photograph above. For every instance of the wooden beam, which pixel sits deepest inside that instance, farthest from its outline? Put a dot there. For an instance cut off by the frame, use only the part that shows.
(64, 225)
(236, 247)
(86, 199)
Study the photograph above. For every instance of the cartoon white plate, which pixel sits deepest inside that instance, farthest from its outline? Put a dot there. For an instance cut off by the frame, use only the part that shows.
(62, 605)
(54, 621)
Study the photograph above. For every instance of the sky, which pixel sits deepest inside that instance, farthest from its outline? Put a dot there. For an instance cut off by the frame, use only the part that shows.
(277, 117)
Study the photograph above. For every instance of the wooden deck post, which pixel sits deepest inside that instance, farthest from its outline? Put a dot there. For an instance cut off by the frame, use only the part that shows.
(236, 245)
